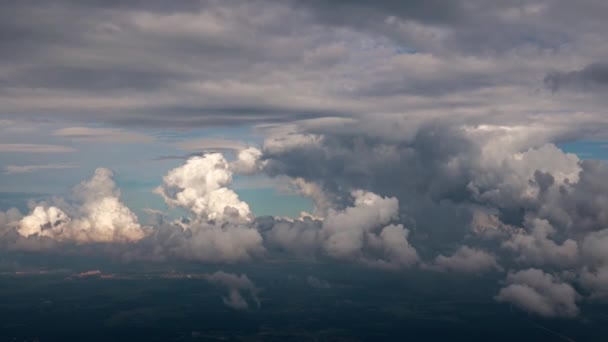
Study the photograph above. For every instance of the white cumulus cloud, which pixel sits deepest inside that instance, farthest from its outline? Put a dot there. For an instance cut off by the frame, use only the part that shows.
(97, 216)
(200, 185)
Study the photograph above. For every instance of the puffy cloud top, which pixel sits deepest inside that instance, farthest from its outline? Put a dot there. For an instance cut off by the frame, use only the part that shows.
(222, 229)
(248, 161)
(467, 260)
(97, 216)
(539, 292)
(357, 233)
(200, 186)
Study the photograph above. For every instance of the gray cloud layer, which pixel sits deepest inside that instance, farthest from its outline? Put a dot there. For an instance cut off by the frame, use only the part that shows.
(213, 62)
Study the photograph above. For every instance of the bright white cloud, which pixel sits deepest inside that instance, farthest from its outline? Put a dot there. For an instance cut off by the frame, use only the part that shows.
(222, 229)
(200, 185)
(97, 216)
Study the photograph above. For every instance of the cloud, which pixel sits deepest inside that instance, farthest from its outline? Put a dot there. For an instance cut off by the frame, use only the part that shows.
(236, 286)
(313, 191)
(35, 148)
(11, 215)
(541, 293)
(451, 171)
(290, 141)
(43, 221)
(302, 60)
(414, 127)
(594, 276)
(345, 231)
(595, 280)
(298, 237)
(489, 226)
(357, 233)
(466, 260)
(93, 220)
(501, 190)
(12, 169)
(87, 274)
(222, 228)
(9, 220)
(97, 215)
(590, 78)
(147, 86)
(396, 251)
(105, 135)
(317, 283)
(200, 186)
(537, 248)
(200, 241)
(248, 161)
(210, 144)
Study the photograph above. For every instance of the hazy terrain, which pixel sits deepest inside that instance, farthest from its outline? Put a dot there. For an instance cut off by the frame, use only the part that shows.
(343, 303)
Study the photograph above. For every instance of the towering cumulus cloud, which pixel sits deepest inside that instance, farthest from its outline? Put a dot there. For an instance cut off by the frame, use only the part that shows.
(221, 229)
(477, 186)
(200, 186)
(95, 214)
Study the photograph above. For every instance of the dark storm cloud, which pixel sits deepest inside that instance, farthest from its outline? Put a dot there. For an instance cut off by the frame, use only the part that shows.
(591, 78)
(415, 172)
(443, 173)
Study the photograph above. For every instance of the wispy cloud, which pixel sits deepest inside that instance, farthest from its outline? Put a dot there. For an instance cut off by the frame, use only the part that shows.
(102, 135)
(12, 169)
(35, 148)
(210, 144)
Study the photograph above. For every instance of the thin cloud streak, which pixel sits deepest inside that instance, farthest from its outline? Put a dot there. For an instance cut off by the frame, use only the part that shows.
(35, 148)
(14, 169)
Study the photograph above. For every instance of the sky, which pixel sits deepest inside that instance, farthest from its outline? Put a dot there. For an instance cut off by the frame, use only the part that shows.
(464, 137)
